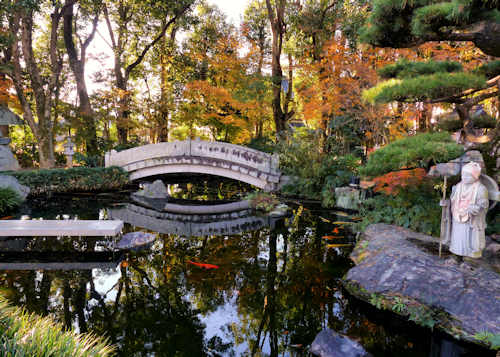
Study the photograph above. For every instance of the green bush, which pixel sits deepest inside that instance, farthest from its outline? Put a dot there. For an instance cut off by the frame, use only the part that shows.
(411, 152)
(423, 87)
(262, 144)
(9, 200)
(77, 179)
(24, 334)
(414, 207)
(406, 69)
(314, 174)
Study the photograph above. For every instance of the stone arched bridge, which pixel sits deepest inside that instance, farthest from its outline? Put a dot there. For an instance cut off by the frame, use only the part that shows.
(196, 156)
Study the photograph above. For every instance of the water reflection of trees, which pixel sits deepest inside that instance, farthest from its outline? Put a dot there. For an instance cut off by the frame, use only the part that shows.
(283, 284)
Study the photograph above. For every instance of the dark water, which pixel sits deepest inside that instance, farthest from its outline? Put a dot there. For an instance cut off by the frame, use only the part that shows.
(274, 289)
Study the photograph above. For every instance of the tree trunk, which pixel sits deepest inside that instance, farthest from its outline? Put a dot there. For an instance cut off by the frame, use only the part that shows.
(30, 76)
(78, 68)
(278, 30)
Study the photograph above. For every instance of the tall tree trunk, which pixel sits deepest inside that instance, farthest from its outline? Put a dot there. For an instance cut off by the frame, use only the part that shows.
(166, 90)
(276, 18)
(30, 76)
(122, 73)
(78, 68)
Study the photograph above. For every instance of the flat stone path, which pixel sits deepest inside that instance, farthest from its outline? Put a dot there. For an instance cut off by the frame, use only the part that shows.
(58, 228)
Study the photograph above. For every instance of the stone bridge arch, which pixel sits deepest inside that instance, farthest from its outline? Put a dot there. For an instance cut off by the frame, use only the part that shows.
(196, 156)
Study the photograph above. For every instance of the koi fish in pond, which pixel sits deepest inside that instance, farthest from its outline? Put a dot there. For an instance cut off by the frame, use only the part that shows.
(332, 237)
(204, 265)
(337, 245)
(7, 217)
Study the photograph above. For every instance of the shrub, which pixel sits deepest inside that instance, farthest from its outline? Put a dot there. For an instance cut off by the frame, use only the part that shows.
(314, 174)
(262, 201)
(412, 152)
(415, 207)
(406, 69)
(77, 179)
(24, 334)
(424, 87)
(9, 199)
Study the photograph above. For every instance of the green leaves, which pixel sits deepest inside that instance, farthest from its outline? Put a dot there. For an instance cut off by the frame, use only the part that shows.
(9, 199)
(412, 152)
(77, 179)
(404, 69)
(424, 87)
(24, 334)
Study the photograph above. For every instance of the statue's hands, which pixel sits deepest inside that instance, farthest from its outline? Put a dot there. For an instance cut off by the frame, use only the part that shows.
(444, 203)
(473, 209)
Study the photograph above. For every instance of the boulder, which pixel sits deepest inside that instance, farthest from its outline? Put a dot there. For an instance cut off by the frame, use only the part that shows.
(400, 270)
(7, 181)
(136, 240)
(7, 160)
(329, 343)
(347, 198)
(156, 189)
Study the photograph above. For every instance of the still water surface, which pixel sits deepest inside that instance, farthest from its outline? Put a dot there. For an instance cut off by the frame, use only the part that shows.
(275, 287)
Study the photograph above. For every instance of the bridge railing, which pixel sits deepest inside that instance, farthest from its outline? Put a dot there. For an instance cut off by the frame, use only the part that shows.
(236, 154)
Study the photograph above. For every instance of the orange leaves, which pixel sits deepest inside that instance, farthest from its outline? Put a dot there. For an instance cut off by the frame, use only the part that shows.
(391, 182)
(7, 96)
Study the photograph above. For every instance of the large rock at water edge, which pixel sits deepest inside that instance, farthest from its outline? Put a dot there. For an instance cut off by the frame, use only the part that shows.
(400, 270)
(156, 189)
(329, 343)
(347, 198)
(11, 182)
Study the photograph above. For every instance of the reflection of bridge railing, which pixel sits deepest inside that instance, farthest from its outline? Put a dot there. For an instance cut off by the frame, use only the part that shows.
(190, 225)
(215, 158)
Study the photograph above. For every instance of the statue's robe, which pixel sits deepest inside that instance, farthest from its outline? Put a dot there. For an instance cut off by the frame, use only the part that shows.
(469, 205)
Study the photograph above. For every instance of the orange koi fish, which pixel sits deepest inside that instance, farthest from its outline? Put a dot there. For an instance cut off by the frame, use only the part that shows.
(204, 265)
(332, 237)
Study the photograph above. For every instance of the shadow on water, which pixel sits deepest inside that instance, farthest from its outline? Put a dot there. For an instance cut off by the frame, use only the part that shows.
(268, 291)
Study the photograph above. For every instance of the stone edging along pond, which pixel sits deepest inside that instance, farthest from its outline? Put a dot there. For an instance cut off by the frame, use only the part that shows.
(399, 270)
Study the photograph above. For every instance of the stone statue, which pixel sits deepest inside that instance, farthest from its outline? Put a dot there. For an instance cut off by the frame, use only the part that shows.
(469, 205)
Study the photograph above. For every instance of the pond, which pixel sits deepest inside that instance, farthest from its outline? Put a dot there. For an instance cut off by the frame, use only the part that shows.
(271, 286)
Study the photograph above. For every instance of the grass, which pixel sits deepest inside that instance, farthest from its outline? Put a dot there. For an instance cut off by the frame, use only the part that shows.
(9, 200)
(25, 334)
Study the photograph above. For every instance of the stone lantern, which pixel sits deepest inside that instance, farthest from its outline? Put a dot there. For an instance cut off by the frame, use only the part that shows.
(7, 159)
(69, 151)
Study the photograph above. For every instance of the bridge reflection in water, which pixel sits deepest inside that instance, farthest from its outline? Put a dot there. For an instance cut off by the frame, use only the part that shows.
(189, 225)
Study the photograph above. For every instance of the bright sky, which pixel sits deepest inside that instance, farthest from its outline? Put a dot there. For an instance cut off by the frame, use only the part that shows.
(232, 8)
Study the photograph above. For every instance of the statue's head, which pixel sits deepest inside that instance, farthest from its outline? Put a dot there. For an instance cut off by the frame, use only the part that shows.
(471, 172)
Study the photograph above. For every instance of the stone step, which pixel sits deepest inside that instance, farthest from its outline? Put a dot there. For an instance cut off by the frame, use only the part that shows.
(58, 228)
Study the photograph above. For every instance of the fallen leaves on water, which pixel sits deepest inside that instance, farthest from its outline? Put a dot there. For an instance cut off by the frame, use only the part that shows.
(204, 265)
(337, 245)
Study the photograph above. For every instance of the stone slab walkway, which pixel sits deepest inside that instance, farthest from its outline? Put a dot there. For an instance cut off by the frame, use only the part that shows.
(58, 228)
